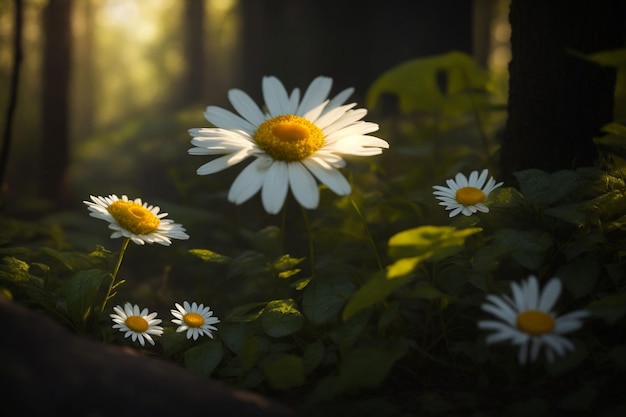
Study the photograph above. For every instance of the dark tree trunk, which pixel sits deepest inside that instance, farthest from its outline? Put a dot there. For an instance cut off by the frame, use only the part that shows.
(353, 41)
(558, 102)
(55, 112)
(194, 82)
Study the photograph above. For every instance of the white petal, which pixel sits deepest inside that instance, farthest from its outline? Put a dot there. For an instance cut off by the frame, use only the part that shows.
(275, 185)
(316, 93)
(275, 96)
(550, 294)
(303, 186)
(228, 120)
(339, 99)
(328, 175)
(246, 107)
(223, 162)
(248, 182)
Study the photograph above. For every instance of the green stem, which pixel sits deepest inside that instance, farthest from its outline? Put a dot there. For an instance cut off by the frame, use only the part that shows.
(368, 232)
(114, 276)
(309, 234)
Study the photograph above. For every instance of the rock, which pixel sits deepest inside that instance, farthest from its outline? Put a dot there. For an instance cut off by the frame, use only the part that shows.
(47, 370)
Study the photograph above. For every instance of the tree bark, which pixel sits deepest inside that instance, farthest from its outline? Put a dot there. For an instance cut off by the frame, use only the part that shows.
(194, 83)
(558, 102)
(55, 89)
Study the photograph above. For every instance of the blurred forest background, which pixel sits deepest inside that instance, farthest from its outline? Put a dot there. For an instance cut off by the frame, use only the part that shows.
(108, 88)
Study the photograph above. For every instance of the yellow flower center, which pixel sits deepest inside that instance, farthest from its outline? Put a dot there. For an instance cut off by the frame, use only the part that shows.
(535, 322)
(193, 319)
(134, 217)
(137, 324)
(470, 195)
(289, 138)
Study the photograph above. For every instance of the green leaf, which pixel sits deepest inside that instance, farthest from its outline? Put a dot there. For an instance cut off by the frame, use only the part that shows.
(324, 298)
(507, 197)
(610, 308)
(540, 187)
(74, 261)
(234, 335)
(415, 83)
(313, 356)
(528, 247)
(429, 242)
(81, 293)
(283, 371)
(281, 318)
(580, 276)
(285, 262)
(204, 358)
(246, 312)
(14, 270)
(452, 279)
(361, 367)
(570, 213)
(373, 291)
(210, 256)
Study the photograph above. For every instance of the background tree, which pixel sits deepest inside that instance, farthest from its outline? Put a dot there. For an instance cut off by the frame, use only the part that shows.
(55, 145)
(558, 102)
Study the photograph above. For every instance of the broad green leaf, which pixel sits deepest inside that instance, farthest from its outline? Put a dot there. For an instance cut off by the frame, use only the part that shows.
(376, 289)
(452, 279)
(528, 247)
(416, 85)
(426, 292)
(81, 293)
(615, 127)
(204, 358)
(350, 331)
(363, 367)
(540, 187)
(507, 197)
(246, 312)
(324, 298)
(580, 276)
(609, 58)
(570, 213)
(429, 242)
(610, 308)
(281, 318)
(234, 335)
(14, 270)
(210, 256)
(313, 356)
(283, 371)
(74, 261)
(285, 263)
(607, 206)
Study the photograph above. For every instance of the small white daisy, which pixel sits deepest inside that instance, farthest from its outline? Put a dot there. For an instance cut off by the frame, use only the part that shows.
(137, 324)
(294, 143)
(464, 195)
(196, 319)
(135, 220)
(527, 320)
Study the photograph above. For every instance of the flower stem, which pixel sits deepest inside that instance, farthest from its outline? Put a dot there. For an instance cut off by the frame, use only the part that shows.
(309, 234)
(368, 232)
(114, 276)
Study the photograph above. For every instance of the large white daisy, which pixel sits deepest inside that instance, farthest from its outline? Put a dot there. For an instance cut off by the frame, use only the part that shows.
(195, 319)
(294, 142)
(527, 320)
(137, 324)
(135, 220)
(467, 196)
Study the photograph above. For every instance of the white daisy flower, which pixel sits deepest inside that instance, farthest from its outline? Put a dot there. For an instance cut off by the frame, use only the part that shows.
(464, 195)
(527, 320)
(135, 220)
(137, 324)
(196, 319)
(294, 142)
